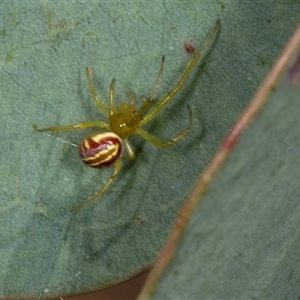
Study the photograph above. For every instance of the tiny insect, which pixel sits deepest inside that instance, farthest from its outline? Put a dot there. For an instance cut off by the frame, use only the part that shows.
(189, 47)
(104, 148)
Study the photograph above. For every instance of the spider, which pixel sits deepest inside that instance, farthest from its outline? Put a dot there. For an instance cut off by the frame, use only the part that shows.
(104, 148)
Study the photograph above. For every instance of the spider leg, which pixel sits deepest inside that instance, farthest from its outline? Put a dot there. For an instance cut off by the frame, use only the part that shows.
(118, 166)
(101, 106)
(148, 102)
(129, 149)
(155, 141)
(158, 80)
(74, 126)
(162, 103)
(131, 96)
(112, 108)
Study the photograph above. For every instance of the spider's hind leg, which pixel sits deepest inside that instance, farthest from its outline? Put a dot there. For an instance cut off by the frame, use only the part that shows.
(118, 166)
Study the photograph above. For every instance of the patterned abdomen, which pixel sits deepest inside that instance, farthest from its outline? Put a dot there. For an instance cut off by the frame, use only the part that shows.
(101, 149)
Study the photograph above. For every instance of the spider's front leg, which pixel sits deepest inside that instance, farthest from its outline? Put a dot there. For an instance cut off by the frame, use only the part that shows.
(165, 100)
(92, 88)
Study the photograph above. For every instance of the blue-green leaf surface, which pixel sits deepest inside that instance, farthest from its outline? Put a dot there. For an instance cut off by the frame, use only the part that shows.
(243, 240)
(45, 47)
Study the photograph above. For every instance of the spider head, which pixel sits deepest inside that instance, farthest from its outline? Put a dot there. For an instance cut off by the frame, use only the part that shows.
(125, 122)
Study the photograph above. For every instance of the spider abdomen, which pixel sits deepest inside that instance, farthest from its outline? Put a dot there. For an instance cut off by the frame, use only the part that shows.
(101, 149)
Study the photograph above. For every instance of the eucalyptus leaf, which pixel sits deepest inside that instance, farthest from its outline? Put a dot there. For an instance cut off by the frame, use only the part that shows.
(243, 242)
(45, 48)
